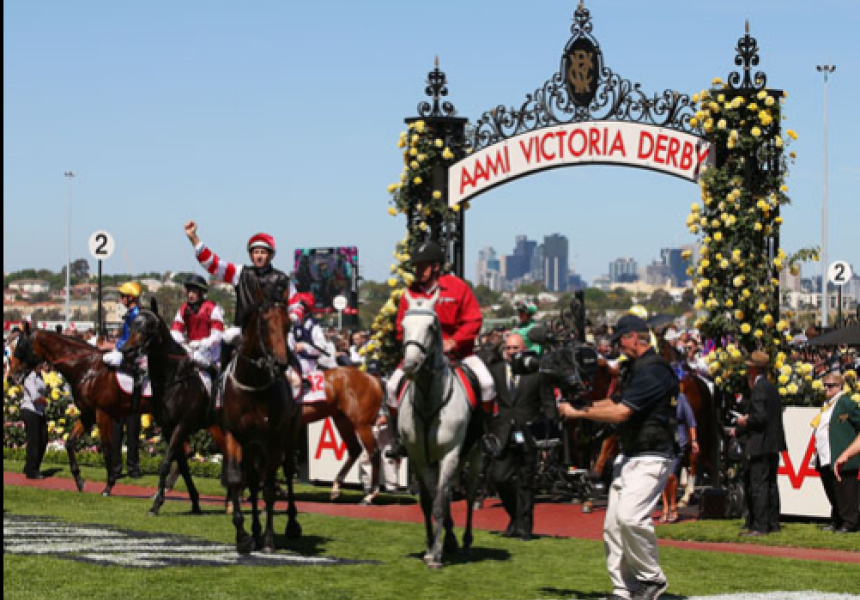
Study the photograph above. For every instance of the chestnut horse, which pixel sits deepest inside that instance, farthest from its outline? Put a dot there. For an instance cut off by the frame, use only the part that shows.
(95, 390)
(184, 402)
(353, 399)
(261, 420)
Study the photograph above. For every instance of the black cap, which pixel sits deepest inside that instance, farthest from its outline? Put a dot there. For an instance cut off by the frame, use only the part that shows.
(196, 281)
(628, 324)
(429, 252)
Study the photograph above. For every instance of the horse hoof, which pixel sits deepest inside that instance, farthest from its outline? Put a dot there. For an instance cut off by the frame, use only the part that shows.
(245, 545)
(434, 565)
(587, 509)
(106, 492)
(683, 504)
(152, 513)
(196, 510)
(334, 496)
(80, 483)
(293, 530)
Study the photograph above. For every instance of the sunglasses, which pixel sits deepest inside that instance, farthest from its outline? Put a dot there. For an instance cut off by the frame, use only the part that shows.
(832, 385)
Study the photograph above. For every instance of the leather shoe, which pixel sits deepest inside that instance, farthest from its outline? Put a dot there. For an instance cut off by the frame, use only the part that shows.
(752, 533)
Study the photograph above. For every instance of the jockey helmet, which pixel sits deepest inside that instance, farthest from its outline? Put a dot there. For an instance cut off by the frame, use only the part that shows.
(526, 307)
(428, 252)
(196, 281)
(129, 288)
(639, 311)
(262, 240)
(306, 299)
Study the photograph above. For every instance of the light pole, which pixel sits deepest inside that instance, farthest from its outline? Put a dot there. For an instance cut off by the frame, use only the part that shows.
(827, 70)
(69, 175)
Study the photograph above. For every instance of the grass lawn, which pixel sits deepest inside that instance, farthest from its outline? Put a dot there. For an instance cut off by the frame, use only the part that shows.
(499, 568)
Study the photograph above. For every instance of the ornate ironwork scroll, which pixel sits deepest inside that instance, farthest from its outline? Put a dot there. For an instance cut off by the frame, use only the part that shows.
(437, 87)
(583, 90)
(747, 58)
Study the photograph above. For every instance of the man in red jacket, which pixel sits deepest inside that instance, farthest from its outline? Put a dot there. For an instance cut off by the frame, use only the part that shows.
(459, 317)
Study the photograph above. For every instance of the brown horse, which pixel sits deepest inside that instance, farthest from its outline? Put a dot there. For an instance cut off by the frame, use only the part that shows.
(95, 390)
(353, 399)
(183, 405)
(261, 420)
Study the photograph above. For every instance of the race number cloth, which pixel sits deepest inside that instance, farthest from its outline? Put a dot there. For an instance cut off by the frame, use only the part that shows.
(317, 391)
(126, 384)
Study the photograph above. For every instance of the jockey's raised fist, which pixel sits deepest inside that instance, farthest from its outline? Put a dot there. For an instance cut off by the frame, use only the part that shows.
(191, 232)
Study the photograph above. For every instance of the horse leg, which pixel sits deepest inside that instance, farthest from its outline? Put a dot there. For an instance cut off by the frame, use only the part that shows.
(294, 529)
(426, 497)
(105, 423)
(163, 472)
(233, 480)
(193, 494)
(442, 505)
(71, 444)
(473, 468)
(690, 487)
(253, 496)
(368, 440)
(269, 497)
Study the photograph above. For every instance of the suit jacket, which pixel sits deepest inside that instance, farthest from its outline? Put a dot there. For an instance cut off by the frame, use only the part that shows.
(764, 430)
(518, 407)
(844, 429)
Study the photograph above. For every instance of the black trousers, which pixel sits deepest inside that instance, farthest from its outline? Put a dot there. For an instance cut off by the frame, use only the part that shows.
(762, 493)
(513, 477)
(36, 432)
(130, 426)
(844, 497)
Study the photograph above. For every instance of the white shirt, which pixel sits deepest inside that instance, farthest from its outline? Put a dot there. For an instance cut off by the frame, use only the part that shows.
(822, 433)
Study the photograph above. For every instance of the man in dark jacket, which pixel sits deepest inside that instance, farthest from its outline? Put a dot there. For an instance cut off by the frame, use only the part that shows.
(519, 404)
(765, 439)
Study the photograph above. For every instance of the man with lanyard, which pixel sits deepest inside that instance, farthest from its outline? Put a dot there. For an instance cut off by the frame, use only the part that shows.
(644, 414)
(129, 296)
(526, 315)
(261, 249)
(199, 324)
(459, 317)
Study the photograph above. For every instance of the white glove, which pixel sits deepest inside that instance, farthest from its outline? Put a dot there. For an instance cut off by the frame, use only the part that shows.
(199, 359)
(195, 345)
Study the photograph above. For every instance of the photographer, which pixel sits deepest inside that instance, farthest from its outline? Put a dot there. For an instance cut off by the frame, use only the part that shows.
(644, 414)
(519, 404)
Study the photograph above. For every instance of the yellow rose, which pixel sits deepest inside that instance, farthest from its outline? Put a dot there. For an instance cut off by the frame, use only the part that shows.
(746, 328)
(718, 236)
(392, 211)
(417, 181)
(437, 194)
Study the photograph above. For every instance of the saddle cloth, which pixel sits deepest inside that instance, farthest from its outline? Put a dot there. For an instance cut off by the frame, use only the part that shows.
(126, 384)
(317, 391)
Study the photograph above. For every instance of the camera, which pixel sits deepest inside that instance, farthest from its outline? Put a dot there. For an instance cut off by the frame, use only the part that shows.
(526, 362)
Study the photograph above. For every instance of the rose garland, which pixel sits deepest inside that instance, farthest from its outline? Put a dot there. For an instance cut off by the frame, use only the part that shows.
(735, 280)
(415, 196)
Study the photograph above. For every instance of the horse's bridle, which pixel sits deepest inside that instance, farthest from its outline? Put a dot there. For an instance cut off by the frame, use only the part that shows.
(421, 312)
(266, 362)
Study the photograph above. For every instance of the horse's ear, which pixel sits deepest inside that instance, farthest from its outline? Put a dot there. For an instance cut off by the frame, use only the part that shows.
(153, 305)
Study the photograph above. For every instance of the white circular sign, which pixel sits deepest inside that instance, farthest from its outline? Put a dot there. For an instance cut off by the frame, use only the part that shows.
(339, 302)
(101, 245)
(839, 272)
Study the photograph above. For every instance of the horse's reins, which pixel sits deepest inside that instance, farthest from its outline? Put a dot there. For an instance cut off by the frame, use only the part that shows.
(264, 362)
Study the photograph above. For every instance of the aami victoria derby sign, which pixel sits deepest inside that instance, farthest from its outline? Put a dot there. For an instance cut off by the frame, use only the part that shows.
(592, 142)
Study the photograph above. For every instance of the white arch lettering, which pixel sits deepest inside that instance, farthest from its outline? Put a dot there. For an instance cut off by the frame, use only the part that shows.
(594, 142)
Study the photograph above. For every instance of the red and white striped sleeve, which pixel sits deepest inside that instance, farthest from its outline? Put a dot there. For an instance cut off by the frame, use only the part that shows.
(220, 269)
(177, 329)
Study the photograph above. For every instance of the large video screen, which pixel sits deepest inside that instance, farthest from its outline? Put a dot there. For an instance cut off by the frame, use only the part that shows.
(328, 273)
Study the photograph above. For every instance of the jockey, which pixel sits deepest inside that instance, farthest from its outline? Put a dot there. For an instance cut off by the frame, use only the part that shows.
(459, 317)
(307, 335)
(261, 249)
(199, 324)
(129, 297)
(526, 314)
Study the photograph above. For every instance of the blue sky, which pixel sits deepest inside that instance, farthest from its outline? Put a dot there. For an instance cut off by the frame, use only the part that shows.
(284, 117)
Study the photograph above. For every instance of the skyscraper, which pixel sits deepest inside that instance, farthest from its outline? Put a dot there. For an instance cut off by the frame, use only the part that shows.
(623, 270)
(555, 262)
(488, 269)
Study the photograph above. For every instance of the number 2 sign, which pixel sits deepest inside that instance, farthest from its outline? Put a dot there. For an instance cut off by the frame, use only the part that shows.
(101, 245)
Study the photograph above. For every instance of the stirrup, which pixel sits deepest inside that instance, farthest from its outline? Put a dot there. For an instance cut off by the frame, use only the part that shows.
(397, 450)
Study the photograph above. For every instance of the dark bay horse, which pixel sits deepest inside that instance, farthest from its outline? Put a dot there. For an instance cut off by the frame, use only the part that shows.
(353, 399)
(183, 405)
(95, 390)
(261, 421)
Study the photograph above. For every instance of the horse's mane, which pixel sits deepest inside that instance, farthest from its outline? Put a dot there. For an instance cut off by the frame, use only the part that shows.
(74, 341)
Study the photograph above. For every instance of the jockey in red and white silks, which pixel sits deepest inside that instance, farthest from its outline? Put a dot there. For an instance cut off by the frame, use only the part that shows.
(459, 315)
(199, 324)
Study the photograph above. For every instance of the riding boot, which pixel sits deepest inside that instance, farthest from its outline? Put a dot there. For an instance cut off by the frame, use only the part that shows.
(396, 450)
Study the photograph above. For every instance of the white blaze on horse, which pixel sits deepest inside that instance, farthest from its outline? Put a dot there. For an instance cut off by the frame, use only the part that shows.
(437, 425)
